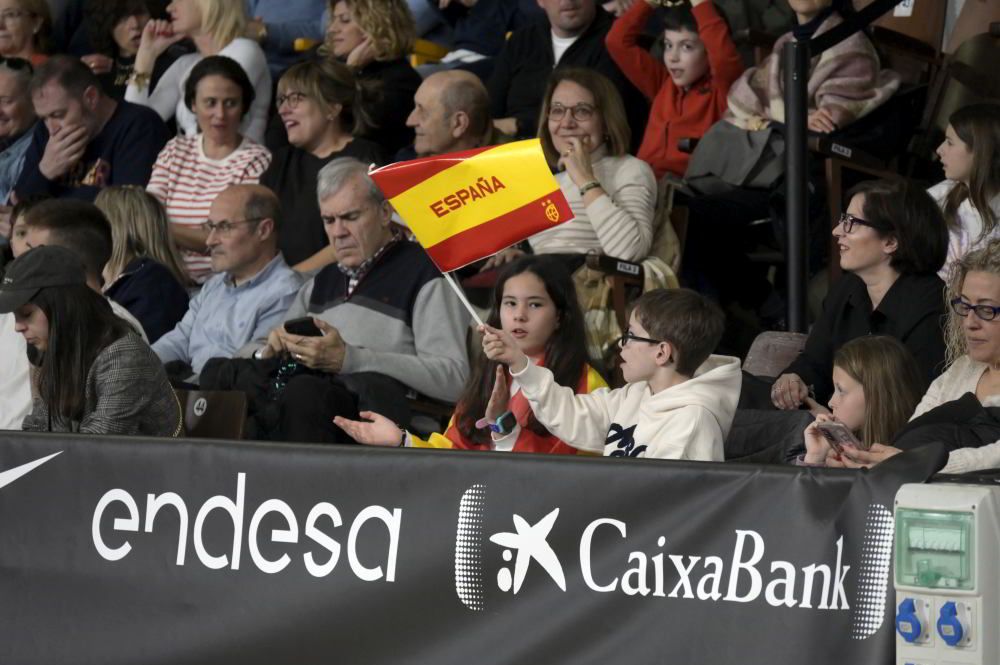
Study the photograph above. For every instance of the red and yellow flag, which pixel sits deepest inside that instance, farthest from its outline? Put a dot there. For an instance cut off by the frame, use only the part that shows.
(465, 206)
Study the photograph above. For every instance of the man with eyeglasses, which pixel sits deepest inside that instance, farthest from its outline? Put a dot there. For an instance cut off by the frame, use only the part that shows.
(451, 112)
(250, 291)
(570, 34)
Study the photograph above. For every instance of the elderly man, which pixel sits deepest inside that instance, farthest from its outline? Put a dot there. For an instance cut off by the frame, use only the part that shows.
(451, 113)
(251, 291)
(571, 34)
(387, 320)
(17, 116)
(85, 141)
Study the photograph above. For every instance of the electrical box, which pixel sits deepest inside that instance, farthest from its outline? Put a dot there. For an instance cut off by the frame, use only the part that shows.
(947, 574)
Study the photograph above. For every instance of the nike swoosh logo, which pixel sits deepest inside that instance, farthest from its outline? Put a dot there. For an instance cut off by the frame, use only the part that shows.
(10, 475)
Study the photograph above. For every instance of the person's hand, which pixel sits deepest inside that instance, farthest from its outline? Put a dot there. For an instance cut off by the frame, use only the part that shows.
(506, 126)
(275, 345)
(500, 346)
(325, 353)
(788, 392)
(377, 431)
(855, 458)
(815, 407)
(576, 160)
(502, 257)
(157, 37)
(255, 30)
(63, 150)
(821, 121)
(98, 63)
(362, 54)
(497, 406)
(817, 447)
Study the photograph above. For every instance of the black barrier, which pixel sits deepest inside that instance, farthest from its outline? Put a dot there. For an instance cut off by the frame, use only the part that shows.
(138, 551)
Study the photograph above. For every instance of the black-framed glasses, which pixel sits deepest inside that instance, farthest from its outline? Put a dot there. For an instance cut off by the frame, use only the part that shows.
(225, 227)
(984, 312)
(293, 99)
(628, 337)
(848, 221)
(582, 112)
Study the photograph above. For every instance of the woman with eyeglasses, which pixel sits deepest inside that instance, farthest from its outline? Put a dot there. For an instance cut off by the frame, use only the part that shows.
(892, 242)
(585, 137)
(321, 105)
(973, 337)
(970, 194)
(191, 170)
(25, 26)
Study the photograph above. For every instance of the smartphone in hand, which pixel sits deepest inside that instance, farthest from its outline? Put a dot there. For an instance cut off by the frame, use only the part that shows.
(303, 327)
(839, 435)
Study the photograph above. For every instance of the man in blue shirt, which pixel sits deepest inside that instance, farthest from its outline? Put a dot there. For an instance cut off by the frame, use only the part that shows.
(252, 287)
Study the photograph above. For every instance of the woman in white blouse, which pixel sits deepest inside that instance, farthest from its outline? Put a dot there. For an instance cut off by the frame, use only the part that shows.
(585, 137)
(216, 27)
(970, 197)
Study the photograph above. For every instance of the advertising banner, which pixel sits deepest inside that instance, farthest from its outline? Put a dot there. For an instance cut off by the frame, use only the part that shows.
(121, 551)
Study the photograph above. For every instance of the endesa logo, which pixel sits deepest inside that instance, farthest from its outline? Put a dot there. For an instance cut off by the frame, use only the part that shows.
(742, 575)
(118, 521)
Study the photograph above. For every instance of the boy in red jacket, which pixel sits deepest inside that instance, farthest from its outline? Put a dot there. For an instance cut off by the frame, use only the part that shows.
(688, 88)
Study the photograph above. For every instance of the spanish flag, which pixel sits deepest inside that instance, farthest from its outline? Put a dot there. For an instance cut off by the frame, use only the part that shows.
(466, 206)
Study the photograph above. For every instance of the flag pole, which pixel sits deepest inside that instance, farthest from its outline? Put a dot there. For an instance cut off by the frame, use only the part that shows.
(461, 296)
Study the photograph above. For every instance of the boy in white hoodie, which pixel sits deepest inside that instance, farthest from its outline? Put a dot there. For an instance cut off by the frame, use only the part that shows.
(679, 400)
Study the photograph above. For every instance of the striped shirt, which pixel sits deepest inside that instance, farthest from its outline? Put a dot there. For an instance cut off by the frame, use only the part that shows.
(186, 182)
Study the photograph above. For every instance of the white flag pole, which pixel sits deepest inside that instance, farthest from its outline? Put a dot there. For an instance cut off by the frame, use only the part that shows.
(461, 296)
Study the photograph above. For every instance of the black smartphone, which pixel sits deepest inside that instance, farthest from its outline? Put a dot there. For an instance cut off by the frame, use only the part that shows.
(304, 327)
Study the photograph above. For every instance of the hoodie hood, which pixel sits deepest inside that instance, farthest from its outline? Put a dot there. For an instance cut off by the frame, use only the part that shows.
(715, 387)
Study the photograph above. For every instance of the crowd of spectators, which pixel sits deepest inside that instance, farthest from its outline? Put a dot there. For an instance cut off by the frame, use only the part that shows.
(186, 191)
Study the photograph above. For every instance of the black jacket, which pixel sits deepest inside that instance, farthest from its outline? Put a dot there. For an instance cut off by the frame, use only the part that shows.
(523, 68)
(912, 311)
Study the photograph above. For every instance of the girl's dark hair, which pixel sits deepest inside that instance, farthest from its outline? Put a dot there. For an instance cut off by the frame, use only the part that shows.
(565, 352)
(677, 18)
(978, 126)
(102, 17)
(81, 325)
(227, 68)
(905, 211)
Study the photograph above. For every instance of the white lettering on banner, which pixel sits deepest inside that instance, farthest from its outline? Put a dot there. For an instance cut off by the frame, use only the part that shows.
(702, 577)
(234, 510)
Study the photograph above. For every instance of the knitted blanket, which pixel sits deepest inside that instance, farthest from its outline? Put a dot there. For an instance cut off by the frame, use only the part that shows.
(846, 80)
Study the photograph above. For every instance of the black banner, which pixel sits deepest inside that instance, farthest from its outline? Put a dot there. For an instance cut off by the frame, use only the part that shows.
(149, 552)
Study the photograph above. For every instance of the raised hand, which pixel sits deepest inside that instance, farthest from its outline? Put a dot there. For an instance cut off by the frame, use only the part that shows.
(499, 398)
(500, 346)
(373, 430)
(63, 150)
(788, 392)
(576, 160)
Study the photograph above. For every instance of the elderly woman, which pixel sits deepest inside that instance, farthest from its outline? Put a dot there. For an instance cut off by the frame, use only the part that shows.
(192, 170)
(892, 242)
(17, 116)
(318, 103)
(216, 27)
(374, 37)
(612, 194)
(24, 28)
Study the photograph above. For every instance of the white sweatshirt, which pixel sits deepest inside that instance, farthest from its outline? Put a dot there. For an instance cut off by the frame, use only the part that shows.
(687, 421)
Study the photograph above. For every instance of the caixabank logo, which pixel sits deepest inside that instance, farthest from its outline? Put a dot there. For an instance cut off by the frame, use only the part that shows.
(748, 573)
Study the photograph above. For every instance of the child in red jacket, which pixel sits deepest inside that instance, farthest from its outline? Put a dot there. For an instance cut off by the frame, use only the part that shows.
(688, 88)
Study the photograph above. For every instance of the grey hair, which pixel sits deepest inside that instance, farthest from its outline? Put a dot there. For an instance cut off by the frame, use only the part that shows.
(335, 175)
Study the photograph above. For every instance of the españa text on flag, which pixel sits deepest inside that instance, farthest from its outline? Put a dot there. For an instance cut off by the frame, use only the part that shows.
(465, 206)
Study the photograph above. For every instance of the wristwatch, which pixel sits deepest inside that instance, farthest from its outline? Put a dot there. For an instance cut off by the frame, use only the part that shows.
(587, 186)
(503, 425)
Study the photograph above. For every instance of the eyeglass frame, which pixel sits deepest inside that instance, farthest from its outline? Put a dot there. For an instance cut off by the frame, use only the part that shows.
(629, 336)
(846, 221)
(15, 14)
(16, 64)
(590, 109)
(293, 99)
(958, 302)
(208, 226)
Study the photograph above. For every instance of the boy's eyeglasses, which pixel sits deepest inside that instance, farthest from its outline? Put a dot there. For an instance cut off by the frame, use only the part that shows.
(581, 112)
(628, 337)
(848, 221)
(984, 312)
